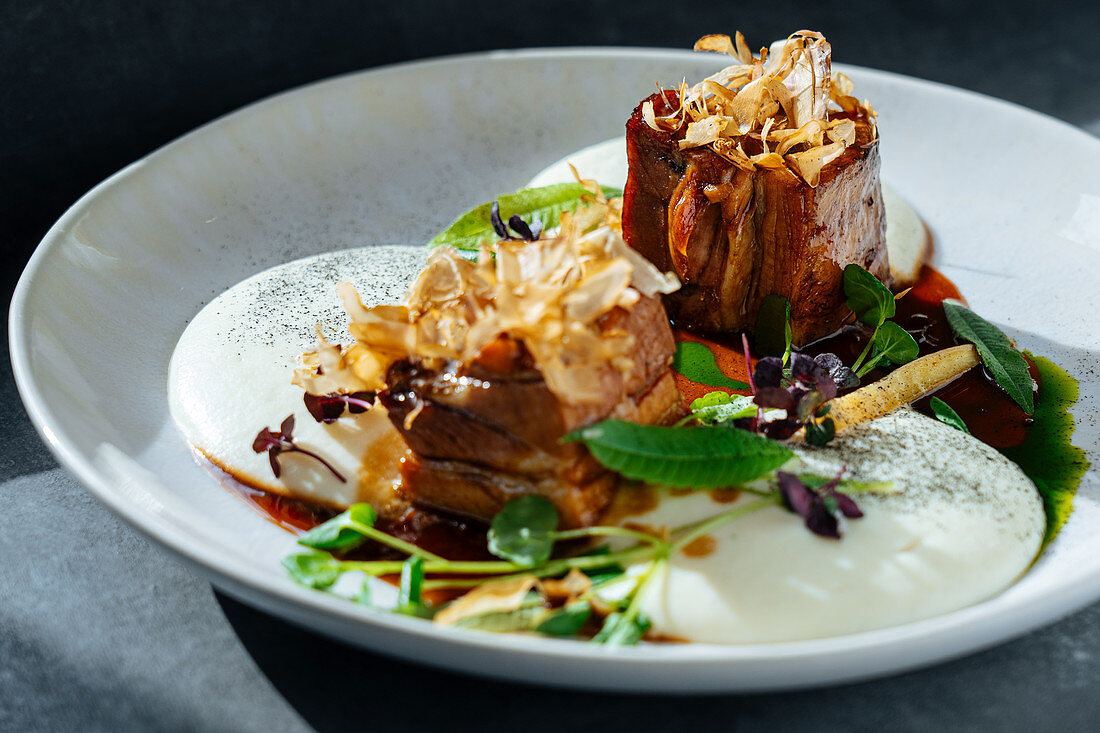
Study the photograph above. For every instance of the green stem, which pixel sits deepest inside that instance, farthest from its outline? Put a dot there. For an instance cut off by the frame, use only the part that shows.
(398, 544)
(866, 350)
(554, 567)
(635, 606)
(698, 529)
(609, 532)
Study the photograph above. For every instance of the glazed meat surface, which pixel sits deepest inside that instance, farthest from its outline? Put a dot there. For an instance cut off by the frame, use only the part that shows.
(488, 432)
(736, 235)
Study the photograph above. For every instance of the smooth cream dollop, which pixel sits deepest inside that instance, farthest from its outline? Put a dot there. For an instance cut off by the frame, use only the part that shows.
(963, 524)
(231, 371)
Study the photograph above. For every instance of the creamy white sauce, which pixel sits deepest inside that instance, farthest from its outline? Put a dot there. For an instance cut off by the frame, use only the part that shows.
(963, 525)
(907, 240)
(231, 371)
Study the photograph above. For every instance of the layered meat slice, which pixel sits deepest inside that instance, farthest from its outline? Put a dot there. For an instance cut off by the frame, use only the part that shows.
(490, 431)
(487, 365)
(742, 204)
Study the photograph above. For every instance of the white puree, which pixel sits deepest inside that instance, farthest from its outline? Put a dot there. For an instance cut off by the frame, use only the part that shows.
(964, 524)
(906, 238)
(231, 370)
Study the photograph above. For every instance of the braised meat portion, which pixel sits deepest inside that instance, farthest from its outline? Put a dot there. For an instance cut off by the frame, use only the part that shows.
(737, 233)
(488, 431)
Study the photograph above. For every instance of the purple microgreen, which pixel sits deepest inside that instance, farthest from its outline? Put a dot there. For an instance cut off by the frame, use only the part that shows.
(808, 504)
(520, 227)
(526, 232)
(768, 372)
(842, 376)
(775, 397)
(498, 223)
(328, 408)
(275, 443)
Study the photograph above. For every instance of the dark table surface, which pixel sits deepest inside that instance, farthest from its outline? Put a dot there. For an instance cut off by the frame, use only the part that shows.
(99, 630)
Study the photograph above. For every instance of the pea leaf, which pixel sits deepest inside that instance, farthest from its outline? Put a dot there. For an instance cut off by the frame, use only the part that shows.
(696, 362)
(867, 297)
(544, 205)
(618, 630)
(773, 327)
(894, 344)
(1000, 357)
(565, 621)
(523, 531)
(946, 415)
(313, 569)
(343, 531)
(701, 457)
(714, 408)
(410, 600)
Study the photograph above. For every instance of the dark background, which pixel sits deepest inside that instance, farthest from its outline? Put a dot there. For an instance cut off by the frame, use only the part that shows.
(87, 87)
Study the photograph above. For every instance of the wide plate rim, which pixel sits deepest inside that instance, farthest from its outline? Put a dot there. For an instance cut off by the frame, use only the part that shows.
(1081, 588)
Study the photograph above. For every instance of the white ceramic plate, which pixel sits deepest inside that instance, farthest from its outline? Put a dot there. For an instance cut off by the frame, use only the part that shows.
(391, 156)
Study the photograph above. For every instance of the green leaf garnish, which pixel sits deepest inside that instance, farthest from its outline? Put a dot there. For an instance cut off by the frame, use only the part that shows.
(696, 362)
(410, 600)
(343, 531)
(523, 531)
(946, 415)
(702, 457)
(891, 344)
(565, 621)
(714, 408)
(773, 327)
(544, 204)
(1000, 357)
(621, 629)
(313, 569)
(867, 297)
(820, 433)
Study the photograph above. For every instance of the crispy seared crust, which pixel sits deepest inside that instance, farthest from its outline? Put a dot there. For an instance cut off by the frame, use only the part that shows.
(483, 434)
(735, 235)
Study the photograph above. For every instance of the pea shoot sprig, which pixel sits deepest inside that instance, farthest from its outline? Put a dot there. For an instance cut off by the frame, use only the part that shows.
(528, 588)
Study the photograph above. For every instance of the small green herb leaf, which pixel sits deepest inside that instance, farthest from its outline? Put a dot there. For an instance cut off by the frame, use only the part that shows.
(544, 204)
(565, 621)
(343, 531)
(719, 407)
(313, 569)
(523, 531)
(702, 457)
(946, 415)
(1000, 357)
(867, 297)
(820, 433)
(773, 327)
(409, 596)
(895, 345)
(620, 630)
(696, 362)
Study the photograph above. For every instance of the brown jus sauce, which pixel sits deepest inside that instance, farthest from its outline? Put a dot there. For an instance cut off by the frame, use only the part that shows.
(988, 412)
